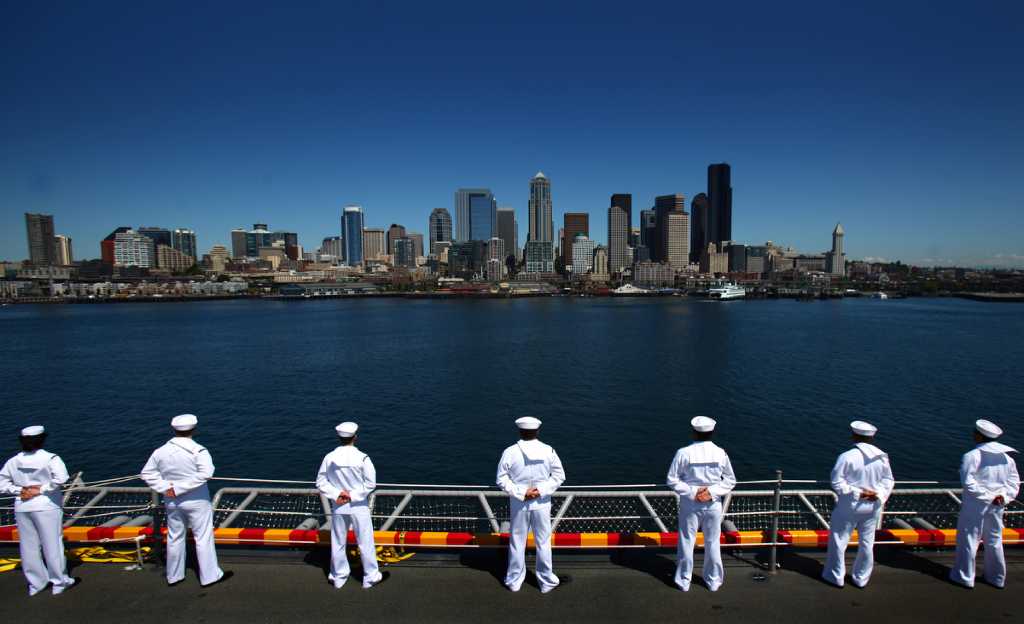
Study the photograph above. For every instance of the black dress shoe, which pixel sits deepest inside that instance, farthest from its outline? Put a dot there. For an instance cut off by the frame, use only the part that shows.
(227, 575)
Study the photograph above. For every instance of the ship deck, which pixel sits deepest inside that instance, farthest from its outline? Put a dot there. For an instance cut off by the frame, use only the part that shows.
(621, 586)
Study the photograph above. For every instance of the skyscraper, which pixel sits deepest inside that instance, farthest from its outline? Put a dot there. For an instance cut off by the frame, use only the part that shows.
(62, 250)
(184, 241)
(496, 255)
(601, 261)
(622, 230)
(836, 264)
(719, 222)
(542, 225)
(107, 245)
(573, 223)
(582, 255)
(395, 232)
(676, 240)
(159, 235)
(404, 251)
(648, 227)
(439, 228)
(331, 246)
(508, 231)
(417, 241)
(618, 251)
(666, 205)
(352, 234)
(374, 246)
(41, 248)
(134, 249)
(238, 243)
(475, 217)
(698, 226)
(625, 201)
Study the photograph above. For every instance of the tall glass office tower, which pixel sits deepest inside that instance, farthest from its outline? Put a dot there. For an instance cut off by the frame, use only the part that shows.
(542, 227)
(475, 215)
(352, 234)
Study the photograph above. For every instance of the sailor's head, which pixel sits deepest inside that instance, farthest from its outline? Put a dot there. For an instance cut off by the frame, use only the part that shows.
(986, 431)
(863, 431)
(32, 438)
(347, 432)
(528, 427)
(703, 428)
(185, 425)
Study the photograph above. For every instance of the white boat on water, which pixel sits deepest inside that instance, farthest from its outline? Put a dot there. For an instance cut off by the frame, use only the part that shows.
(629, 289)
(726, 292)
(879, 295)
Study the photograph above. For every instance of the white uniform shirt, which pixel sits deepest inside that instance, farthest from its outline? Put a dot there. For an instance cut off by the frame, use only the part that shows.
(527, 464)
(347, 468)
(864, 467)
(988, 471)
(182, 464)
(701, 464)
(40, 468)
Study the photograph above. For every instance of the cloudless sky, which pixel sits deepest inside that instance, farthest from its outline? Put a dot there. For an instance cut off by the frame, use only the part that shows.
(904, 120)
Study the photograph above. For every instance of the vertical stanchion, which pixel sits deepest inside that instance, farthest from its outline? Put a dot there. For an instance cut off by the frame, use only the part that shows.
(158, 538)
(776, 508)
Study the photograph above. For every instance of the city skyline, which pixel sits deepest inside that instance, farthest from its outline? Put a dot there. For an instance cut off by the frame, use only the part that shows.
(874, 120)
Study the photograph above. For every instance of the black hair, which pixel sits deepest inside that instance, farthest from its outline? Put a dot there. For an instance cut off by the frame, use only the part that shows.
(528, 434)
(32, 443)
(702, 436)
(347, 441)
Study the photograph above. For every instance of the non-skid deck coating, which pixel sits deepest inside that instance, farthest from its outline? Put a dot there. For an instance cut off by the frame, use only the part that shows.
(907, 587)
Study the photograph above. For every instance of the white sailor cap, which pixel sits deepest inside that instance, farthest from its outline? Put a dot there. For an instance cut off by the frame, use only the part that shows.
(347, 429)
(528, 423)
(703, 424)
(34, 430)
(988, 429)
(185, 422)
(862, 428)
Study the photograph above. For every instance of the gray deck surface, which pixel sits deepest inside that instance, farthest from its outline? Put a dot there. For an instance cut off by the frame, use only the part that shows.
(907, 587)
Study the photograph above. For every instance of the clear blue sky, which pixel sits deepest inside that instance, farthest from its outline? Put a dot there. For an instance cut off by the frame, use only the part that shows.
(903, 120)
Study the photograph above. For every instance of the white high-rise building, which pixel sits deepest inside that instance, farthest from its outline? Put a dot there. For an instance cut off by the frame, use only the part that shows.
(496, 267)
(134, 249)
(62, 246)
(582, 255)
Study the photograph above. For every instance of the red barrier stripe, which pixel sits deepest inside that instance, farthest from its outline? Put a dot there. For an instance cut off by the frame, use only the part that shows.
(252, 534)
(410, 537)
(311, 536)
(98, 533)
(459, 539)
(7, 532)
(567, 539)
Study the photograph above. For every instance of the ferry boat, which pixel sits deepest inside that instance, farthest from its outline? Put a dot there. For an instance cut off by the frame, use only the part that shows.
(879, 295)
(727, 291)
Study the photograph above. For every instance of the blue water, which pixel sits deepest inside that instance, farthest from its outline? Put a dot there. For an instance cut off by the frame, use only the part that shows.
(435, 385)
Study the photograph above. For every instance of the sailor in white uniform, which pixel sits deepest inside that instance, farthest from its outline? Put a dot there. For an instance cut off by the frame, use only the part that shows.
(530, 472)
(179, 470)
(991, 481)
(347, 478)
(862, 479)
(35, 476)
(701, 475)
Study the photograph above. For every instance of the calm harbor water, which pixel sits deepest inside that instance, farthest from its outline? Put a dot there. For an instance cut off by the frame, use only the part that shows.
(435, 385)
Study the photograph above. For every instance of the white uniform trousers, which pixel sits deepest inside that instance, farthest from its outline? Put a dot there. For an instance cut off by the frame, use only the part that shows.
(197, 515)
(979, 521)
(41, 540)
(358, 519)
(862, 515)
(522, 521)
(707, 517)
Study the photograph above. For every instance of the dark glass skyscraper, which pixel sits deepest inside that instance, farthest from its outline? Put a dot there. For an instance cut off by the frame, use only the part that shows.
(698, 226)
(42, 250)
(508, 231)
(352, 234)
(439, 228)
(719, 223)
(475, 217)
